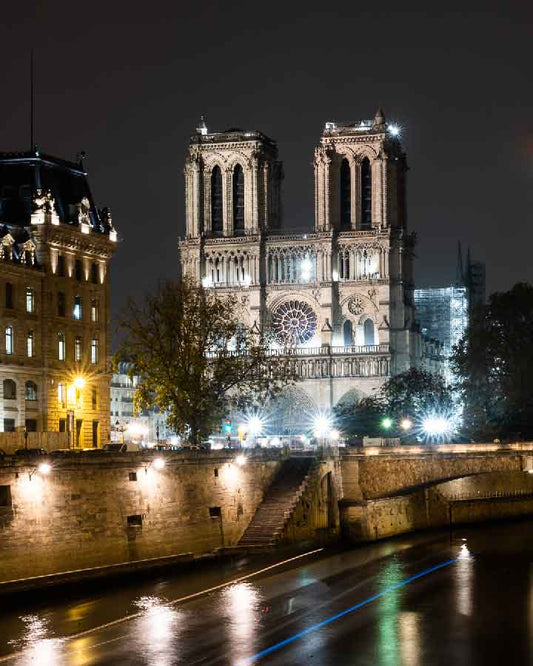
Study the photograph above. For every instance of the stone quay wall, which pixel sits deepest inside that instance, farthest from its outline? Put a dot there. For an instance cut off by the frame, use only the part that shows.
(98, 509)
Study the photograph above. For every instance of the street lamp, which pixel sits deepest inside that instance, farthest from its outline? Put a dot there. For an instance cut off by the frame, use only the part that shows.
(73, 398)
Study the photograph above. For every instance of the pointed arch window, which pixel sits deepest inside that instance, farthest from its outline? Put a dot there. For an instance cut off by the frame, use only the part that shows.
(346, 195)
(238, 200)
(348, 333)
(366, 194)
(369, 332)
(216, 202)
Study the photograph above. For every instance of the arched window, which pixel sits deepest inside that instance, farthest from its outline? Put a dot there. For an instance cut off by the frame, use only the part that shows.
(10, 390)
(30, 300)
(31, 391)
(9, 339)
(217, 223)
(346, 195)
(29, 344)
(238, 201)
(61, 346)
(94, 310)
(369, 332)
(348, 333)
(366, 194)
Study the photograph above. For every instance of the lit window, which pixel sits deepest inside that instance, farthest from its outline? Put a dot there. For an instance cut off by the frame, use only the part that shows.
(61, 346)
(9, 339)
(77, 307)
(29, 344)
(77, 348)
(94, 350)
(61, 394)
(31, 391)
(94, 310)
(29, 299)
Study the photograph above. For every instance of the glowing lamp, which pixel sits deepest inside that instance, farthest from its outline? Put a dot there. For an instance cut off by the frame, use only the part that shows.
(437, 426)
(386, 423)
(334, 434)
(406, 424)
(240, 460)
(79, 382)
(44, 468)
(159, 463)
(394, 130)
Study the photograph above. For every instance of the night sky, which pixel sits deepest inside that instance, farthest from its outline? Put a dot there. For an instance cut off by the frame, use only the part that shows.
(127, 82)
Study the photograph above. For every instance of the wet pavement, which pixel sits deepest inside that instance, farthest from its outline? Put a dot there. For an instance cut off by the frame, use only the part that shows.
(460, 598)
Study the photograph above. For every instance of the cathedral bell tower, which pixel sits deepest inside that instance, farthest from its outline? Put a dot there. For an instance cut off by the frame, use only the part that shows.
(359, 177)
(232, 184)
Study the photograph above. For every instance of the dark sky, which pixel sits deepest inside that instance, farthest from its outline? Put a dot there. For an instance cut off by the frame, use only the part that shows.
(127, 82)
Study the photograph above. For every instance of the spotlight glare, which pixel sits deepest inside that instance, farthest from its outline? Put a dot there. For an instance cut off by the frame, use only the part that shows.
(159, 463)
(255, 425)
(322, 425)
(437, 426)
(240, 460)
(406, 424)
(394, 130)
(44, 468)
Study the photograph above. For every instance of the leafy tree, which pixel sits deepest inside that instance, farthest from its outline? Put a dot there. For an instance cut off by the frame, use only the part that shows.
(494, 366)
(411, 394)
(195, 359)
(415, 393)
(361, 418)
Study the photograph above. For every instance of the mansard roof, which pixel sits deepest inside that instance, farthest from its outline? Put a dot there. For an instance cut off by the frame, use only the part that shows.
(23, 175)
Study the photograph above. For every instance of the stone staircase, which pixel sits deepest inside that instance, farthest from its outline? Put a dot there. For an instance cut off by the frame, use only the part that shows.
(266, 526)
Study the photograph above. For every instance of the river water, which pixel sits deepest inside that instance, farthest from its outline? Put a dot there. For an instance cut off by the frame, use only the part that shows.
(459, 598)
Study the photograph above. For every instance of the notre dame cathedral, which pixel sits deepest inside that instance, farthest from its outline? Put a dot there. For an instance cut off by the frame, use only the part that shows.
(338, 299)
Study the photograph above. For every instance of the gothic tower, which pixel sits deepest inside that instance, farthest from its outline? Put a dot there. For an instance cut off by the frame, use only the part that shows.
(360, 181)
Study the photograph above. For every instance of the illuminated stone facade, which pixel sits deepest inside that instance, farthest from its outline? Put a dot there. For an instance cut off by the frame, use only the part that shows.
(55, 248)
(339, 299)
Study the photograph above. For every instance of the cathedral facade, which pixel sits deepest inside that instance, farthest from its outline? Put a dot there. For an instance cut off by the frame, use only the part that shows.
(338, 299)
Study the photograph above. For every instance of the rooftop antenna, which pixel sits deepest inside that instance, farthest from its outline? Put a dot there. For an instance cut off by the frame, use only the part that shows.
(32, 105)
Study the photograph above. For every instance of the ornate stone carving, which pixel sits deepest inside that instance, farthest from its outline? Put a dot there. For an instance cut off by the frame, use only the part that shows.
(356, 305)
(294, 323)
(84, 208)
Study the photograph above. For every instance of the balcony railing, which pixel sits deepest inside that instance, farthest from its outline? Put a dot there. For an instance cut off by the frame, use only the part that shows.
(320, 351)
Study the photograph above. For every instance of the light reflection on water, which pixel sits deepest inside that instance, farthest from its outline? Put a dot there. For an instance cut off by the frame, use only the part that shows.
(410, 638)
(241, 604)
(389, 605)
(157, 631)
(37, 644)
(464, 572)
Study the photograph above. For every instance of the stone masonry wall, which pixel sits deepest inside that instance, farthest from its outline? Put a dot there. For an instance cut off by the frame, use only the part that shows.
(100, 509)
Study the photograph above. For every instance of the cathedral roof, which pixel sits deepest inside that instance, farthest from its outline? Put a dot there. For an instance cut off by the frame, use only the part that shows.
(203, 135)
(25, 175)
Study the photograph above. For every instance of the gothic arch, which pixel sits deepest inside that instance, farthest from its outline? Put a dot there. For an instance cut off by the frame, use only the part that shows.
(351, 396)
(291, 412)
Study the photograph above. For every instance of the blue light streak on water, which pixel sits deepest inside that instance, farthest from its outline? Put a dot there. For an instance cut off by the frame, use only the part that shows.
(329, 620)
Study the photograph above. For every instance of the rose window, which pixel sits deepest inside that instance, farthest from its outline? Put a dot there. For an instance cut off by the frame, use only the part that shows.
(294, 323)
